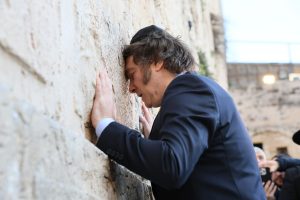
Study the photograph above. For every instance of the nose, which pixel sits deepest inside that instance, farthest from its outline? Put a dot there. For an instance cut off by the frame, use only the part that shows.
(131, 87)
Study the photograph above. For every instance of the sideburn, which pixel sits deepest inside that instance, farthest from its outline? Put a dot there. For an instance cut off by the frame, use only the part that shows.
(146, 75)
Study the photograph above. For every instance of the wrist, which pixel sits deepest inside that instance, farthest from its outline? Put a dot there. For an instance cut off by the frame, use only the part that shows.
(95, 122)
(102, 124)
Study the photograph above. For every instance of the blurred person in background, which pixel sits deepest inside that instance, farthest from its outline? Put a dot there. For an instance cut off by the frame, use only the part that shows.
(286, 173)
(269, 187)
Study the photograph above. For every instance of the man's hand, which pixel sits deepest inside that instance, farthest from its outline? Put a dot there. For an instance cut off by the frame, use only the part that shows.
(272, 164)
(104, 105)
(147, 120)
(270, 189)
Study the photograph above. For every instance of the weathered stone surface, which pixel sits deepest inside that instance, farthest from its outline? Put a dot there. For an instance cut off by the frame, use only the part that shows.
(271, 114)
(242, 75)
(128, 185)
(41, 160)
(54, 48)
(50, 52)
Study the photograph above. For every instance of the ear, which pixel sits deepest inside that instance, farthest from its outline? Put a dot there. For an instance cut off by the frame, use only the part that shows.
(158, 66)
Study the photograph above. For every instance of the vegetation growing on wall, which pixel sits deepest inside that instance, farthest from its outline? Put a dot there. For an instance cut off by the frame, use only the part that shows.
(203, 66)
(203, 4)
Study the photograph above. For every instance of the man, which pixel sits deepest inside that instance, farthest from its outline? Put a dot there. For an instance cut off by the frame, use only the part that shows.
(291, 183)
(286, 171)
(269, 186)
(260, 154)
(198, 147)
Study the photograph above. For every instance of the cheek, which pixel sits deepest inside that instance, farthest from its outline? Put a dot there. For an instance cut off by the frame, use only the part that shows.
(137, 81)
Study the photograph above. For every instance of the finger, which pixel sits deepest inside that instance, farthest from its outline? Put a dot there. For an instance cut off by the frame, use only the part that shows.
(98, 78)
(145, 124)
(274, 189)
(115, 112)
(103, 76)
(98, 84)
(143, 120)
(106, 81)
(146, 112)
(144, 109)
(267, 185)
(142, 124)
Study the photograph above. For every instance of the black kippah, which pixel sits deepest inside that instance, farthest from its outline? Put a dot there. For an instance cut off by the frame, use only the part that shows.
(144, 32)
(296, 137)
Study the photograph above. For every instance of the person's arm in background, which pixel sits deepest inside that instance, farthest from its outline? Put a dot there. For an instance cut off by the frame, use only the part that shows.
(290, 166)
(281, 163)
(287, 162)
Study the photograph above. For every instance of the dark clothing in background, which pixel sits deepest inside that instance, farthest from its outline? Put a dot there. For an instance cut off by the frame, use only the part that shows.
(297, 186)
(290, 188)
(286, 162)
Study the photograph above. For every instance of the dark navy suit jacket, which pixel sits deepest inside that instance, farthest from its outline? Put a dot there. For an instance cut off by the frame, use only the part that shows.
(198, 147)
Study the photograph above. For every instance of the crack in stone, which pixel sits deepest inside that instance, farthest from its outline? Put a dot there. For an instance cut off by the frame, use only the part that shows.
(23, 63)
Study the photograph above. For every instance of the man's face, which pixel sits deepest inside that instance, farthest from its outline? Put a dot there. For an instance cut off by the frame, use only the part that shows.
(142, 83)
(260, 156)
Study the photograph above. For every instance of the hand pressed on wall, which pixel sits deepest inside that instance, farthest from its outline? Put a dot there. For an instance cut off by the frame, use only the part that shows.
(104, 105)
(147, 120)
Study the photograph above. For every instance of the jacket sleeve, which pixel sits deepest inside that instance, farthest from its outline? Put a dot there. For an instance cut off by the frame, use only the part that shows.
(188, 113)
(286, 162)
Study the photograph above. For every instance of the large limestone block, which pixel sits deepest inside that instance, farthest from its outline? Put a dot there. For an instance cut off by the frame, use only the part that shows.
(276, 107)
(41, 160)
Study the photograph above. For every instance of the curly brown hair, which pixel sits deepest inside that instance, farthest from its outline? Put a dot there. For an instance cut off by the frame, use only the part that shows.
(157, 45)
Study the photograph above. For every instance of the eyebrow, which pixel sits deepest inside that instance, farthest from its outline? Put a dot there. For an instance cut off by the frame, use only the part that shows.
(126, 71)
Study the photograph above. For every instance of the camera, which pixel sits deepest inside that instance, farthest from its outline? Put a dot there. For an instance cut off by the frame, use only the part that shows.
(265, 174)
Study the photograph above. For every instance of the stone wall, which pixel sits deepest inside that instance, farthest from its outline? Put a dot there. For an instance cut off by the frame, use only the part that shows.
(271, 114)
(243, 75)
(50, 52)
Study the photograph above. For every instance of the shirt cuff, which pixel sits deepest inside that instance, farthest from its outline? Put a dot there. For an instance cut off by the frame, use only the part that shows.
(102, 124)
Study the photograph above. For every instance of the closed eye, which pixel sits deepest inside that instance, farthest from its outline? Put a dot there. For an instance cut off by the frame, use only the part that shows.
(131, 76)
